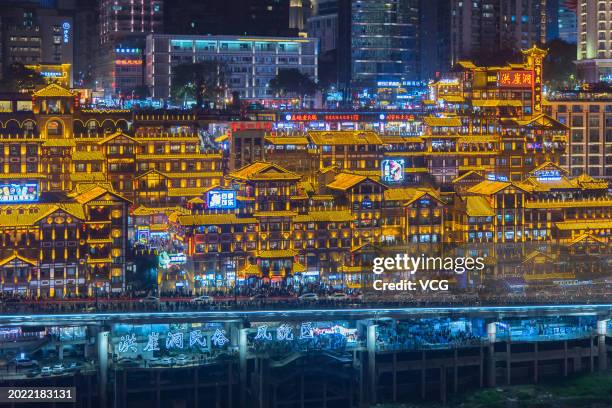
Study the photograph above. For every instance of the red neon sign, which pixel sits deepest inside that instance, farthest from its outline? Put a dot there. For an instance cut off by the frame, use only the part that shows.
(515, 79)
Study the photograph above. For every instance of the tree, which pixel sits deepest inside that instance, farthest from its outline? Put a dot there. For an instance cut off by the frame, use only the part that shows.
(559, 70)
(292, 82)
(18, 78)
(204, 81)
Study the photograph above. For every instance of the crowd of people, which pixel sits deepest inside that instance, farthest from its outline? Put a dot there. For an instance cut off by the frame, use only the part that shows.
(422, 334)
(273, 296)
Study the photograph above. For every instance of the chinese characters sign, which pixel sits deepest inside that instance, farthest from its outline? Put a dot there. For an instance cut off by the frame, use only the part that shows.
(18, 193)
(393, 170)
(515, 79)
(173, 339)
(221, 199)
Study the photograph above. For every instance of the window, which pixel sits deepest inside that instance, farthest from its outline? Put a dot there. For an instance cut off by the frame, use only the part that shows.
(54, 128)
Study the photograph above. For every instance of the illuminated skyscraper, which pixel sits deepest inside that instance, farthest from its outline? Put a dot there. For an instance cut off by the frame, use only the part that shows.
(594, 41)
(384, 41)
(123, 27)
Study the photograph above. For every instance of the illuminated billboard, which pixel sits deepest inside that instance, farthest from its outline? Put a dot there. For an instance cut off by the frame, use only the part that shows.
(393, 170)
(515, 79)
(18, 193)
(221, 199)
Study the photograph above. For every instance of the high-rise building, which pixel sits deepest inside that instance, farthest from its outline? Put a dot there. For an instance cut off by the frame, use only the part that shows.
(484, 28)
(434, 38)
(251, 62)
(129, 17)
(383, 41)
(37, 32)
(86, 43)
(324, 25)
(123, 26)
(594, 54)
(561, 20)
(588, 114)
(232, 17)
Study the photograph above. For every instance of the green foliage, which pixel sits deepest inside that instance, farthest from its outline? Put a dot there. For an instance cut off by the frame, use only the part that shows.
(291, 82)
(559, 70)
(18, 78)
(204, 81)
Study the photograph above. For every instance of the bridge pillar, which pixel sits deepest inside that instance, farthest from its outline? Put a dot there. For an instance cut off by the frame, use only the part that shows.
(242, 355)
(535, 362)
(102, 341)
(60, 351)
(602, 350)
(491, 335)
(371, 345)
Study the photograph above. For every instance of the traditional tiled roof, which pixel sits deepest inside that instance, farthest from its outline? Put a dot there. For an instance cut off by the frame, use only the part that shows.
(409, 194)
(344, 181)
(434, 121)
(91, 177)
(264, 171)
(54, 90)
(325, 216)
(468, 174)
(584, 224)
(488, 187)
(118, 133)
(496, 102)
(14, 256)
(588, 236)
(143, 210)
(275, 214)
(287, 140)
(87, 156)
(188, 191)
(478, 206)
(344, 137)
(59, 143)
(24, 215)
(277, 253)
(213, 219)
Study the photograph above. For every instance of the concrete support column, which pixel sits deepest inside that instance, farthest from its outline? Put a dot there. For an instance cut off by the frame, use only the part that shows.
(60, 351)
(535, 362)
(508, 363)
(565, 358)
(102, 341)
(242, 354)
(443, 384)
(371, 344)
(423, 375)
(491, 335)
(602, 350)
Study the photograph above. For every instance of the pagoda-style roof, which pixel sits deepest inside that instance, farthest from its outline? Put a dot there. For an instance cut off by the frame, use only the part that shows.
(17, 256)
(478, 206)
(344, 137)
(469, 174)
(434, 121)
(263, 171)
(54, 90)
(118, 133)
(344, 181)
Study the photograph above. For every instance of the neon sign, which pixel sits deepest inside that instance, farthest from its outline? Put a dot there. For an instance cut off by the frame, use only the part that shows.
(51, 74)
(548, 175)
(66, 28)
(515, 79)
(393, 170)
(221, 199)
(399, 116)
(18, 193)
(340, 117)
(128, 62)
